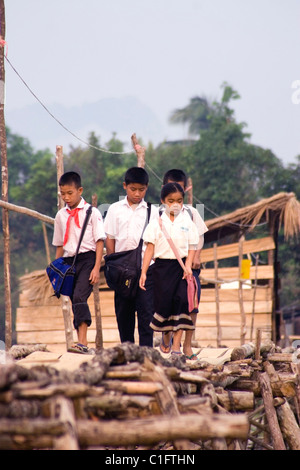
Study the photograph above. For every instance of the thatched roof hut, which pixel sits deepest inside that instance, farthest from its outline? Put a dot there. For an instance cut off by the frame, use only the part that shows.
(283, 209)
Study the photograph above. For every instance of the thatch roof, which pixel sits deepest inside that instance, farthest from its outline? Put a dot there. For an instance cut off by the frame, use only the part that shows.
(283, 208)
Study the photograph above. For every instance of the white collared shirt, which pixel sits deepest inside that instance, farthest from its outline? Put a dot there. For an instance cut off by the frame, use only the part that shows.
(125, 224)
(200, 224)
(182, 230)
(94, 231)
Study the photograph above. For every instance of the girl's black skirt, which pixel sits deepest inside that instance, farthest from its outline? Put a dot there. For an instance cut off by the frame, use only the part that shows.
(170, 297)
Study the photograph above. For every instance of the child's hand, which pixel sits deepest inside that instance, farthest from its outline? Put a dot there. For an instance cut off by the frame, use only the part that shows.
(94, 276)
(142, 281)
(188, 271)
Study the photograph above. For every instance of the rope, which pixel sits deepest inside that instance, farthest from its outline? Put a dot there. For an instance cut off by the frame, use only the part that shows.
(59, 122)
(137, 147)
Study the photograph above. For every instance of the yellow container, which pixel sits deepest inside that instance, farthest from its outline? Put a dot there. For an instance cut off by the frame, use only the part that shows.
(245, 268)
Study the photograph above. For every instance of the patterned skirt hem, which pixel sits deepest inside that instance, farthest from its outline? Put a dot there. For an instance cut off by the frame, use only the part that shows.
(182, 321)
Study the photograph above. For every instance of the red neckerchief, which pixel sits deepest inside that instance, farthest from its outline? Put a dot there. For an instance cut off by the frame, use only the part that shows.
(73, 213)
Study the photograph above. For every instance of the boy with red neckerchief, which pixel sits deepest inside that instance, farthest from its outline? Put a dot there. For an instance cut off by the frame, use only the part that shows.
(67, 230)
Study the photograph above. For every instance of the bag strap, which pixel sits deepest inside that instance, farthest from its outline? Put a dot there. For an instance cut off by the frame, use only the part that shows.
(86, 220)
(171, 243)
(147, 222)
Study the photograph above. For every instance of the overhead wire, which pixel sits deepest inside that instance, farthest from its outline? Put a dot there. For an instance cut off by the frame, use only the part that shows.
(105, 150)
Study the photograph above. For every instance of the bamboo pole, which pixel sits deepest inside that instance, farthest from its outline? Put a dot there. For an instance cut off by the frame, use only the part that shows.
(254, 298)
(266, 392)
(217, 287)
(4, 177)
(139, 150)
(99, 332)
(29, 212)
(46, 243)
(241, 300)
(189, 191)
(66, 305)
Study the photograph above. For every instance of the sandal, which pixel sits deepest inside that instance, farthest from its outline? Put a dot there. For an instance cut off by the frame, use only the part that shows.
(177, 353)
(163, 345)
(192, 357)
(79, 349)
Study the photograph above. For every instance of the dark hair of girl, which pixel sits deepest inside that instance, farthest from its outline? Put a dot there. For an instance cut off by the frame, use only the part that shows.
(170, 188)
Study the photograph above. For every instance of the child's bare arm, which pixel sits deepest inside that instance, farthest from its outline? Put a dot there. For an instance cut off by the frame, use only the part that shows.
(188, 263)
(59, 252)
(95, 273)
(110, 245)
(146, 262)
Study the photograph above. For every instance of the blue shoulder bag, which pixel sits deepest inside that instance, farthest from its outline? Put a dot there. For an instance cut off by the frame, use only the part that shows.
(60, 273)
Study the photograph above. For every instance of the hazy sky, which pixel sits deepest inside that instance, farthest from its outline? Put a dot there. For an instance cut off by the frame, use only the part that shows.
(164, 52)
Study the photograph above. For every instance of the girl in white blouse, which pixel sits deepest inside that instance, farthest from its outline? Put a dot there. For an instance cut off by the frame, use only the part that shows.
(171, 315)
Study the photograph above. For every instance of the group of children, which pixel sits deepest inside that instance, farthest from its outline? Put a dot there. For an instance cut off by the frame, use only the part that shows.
(161, 302)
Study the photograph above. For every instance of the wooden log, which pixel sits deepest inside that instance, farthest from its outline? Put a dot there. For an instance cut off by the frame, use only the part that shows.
(140, 151)
(120, 407)
(19, 351)
(235, 401)
(289, 426)
(152, 431)
(284, 357)
(8, 375)
(4, 189)
(282, 384)
(266, 392)
(248, 349)
(29, 433)
(166, 397)
(63, 411)
(25, 211)
(134, 388)
(253, 385)
(69, 390)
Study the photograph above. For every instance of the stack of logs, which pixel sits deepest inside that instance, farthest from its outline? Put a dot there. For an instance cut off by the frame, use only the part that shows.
(129, 397)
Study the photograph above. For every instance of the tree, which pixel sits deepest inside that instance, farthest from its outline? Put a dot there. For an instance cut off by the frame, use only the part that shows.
(200, 113)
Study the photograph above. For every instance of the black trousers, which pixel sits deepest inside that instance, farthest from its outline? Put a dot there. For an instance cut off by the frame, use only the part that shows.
(85, 262)
(142, 304)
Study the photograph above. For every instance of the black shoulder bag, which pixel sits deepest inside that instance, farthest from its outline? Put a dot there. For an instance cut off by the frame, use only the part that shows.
(123, 269)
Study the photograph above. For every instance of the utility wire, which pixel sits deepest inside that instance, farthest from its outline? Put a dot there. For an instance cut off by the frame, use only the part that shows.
(58, 121)
(105, 150)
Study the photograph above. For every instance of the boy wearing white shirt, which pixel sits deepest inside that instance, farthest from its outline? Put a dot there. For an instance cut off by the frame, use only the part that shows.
(67, 230)
(124, 225)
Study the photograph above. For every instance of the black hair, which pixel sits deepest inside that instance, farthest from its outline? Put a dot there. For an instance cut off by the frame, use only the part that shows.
(176, 176)
(170, 188)
(136, 175)
(69, 178)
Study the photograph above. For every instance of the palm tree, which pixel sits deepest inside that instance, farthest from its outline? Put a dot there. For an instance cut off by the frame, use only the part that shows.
(199, 112)
(196, 113)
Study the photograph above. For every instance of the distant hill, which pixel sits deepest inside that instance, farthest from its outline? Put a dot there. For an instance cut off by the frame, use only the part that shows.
(121, 115)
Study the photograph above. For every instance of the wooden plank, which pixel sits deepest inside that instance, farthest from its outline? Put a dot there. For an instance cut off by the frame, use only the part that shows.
(232, 250)
(208, 335)
(261, 320)
(231, 295)
(58, 336)
(233, 307)
(232, 274)
(38, 323)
